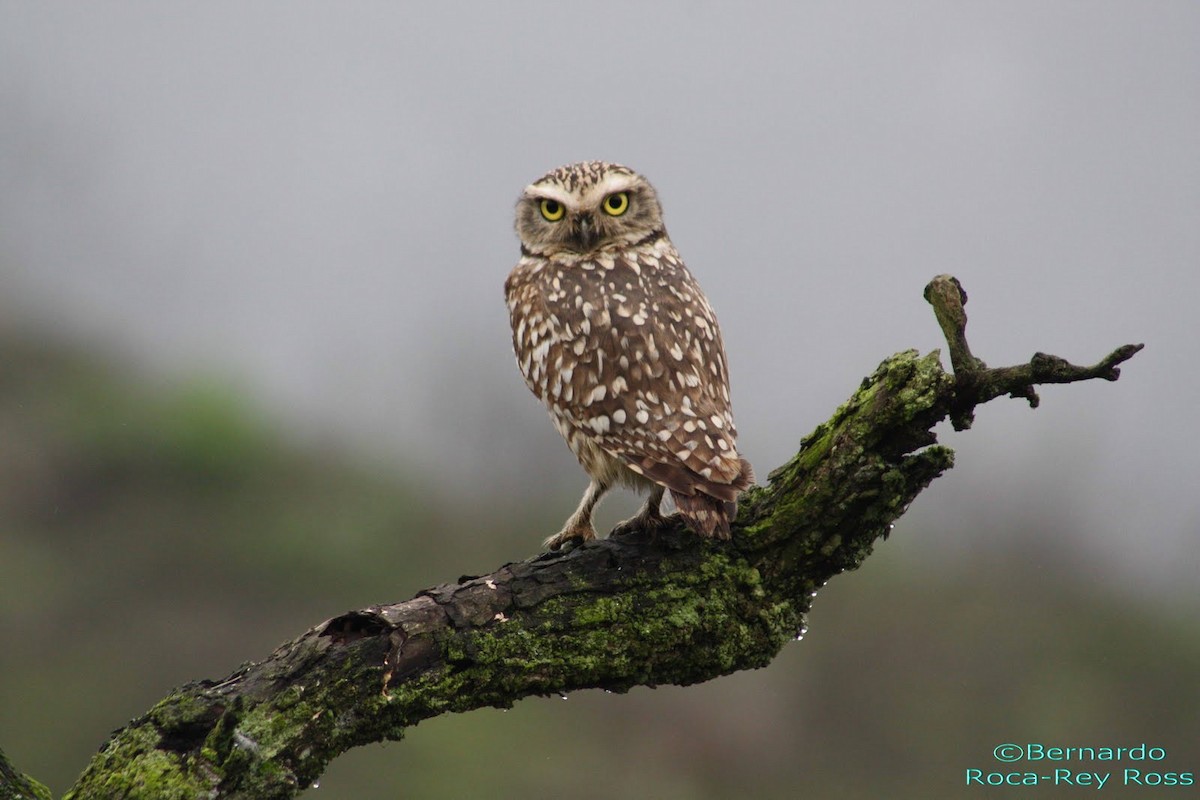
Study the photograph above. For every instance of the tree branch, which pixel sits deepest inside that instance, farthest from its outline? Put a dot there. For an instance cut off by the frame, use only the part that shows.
(975, 384)
(616, 613)
(15, 786)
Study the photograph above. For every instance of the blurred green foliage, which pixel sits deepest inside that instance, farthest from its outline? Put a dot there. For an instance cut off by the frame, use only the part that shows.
(155, 535)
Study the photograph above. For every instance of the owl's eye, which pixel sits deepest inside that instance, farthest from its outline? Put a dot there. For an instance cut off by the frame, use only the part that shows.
(616, 204)
(552, 210)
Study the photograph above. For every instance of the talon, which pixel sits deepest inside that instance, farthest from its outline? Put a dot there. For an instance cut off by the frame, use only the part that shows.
(649, 523)
(566, 535)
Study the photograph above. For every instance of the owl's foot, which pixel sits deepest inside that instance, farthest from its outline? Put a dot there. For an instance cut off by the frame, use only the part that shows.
(645, 521)
(579, 527)
(577, 534)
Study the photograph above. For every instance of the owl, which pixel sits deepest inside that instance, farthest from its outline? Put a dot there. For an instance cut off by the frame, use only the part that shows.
(614, 335)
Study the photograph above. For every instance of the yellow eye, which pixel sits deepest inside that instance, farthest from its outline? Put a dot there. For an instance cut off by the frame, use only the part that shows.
(616, 204)
(552, 210)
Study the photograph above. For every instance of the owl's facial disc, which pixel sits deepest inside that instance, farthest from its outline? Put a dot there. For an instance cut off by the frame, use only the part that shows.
(587, 207)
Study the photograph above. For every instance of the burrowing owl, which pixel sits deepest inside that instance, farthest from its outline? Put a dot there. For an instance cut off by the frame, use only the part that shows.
(613, 334)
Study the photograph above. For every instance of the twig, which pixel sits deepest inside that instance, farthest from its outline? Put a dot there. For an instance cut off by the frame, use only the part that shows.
(976, 384)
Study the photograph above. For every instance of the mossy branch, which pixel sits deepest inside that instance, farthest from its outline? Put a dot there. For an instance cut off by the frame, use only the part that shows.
(15, 786)
(613, 614)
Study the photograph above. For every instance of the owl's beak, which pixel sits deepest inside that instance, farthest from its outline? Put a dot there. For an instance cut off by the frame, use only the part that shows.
(585, 231)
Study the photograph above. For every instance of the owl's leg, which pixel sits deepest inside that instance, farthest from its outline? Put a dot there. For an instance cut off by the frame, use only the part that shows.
(579, 526)
(649, 517)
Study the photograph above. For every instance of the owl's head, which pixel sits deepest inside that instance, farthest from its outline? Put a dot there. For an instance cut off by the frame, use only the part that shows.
(586, 207)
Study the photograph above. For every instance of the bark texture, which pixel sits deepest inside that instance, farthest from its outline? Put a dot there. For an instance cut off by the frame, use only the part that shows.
(616, 613)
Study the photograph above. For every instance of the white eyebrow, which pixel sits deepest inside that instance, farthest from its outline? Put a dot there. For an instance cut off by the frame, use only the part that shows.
(614, 182)
(548, 191)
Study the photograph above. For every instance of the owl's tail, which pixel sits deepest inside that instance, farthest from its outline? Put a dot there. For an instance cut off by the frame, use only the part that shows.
(710, 514)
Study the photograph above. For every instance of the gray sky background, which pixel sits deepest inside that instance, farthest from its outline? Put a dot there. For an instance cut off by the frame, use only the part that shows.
(314, 201)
